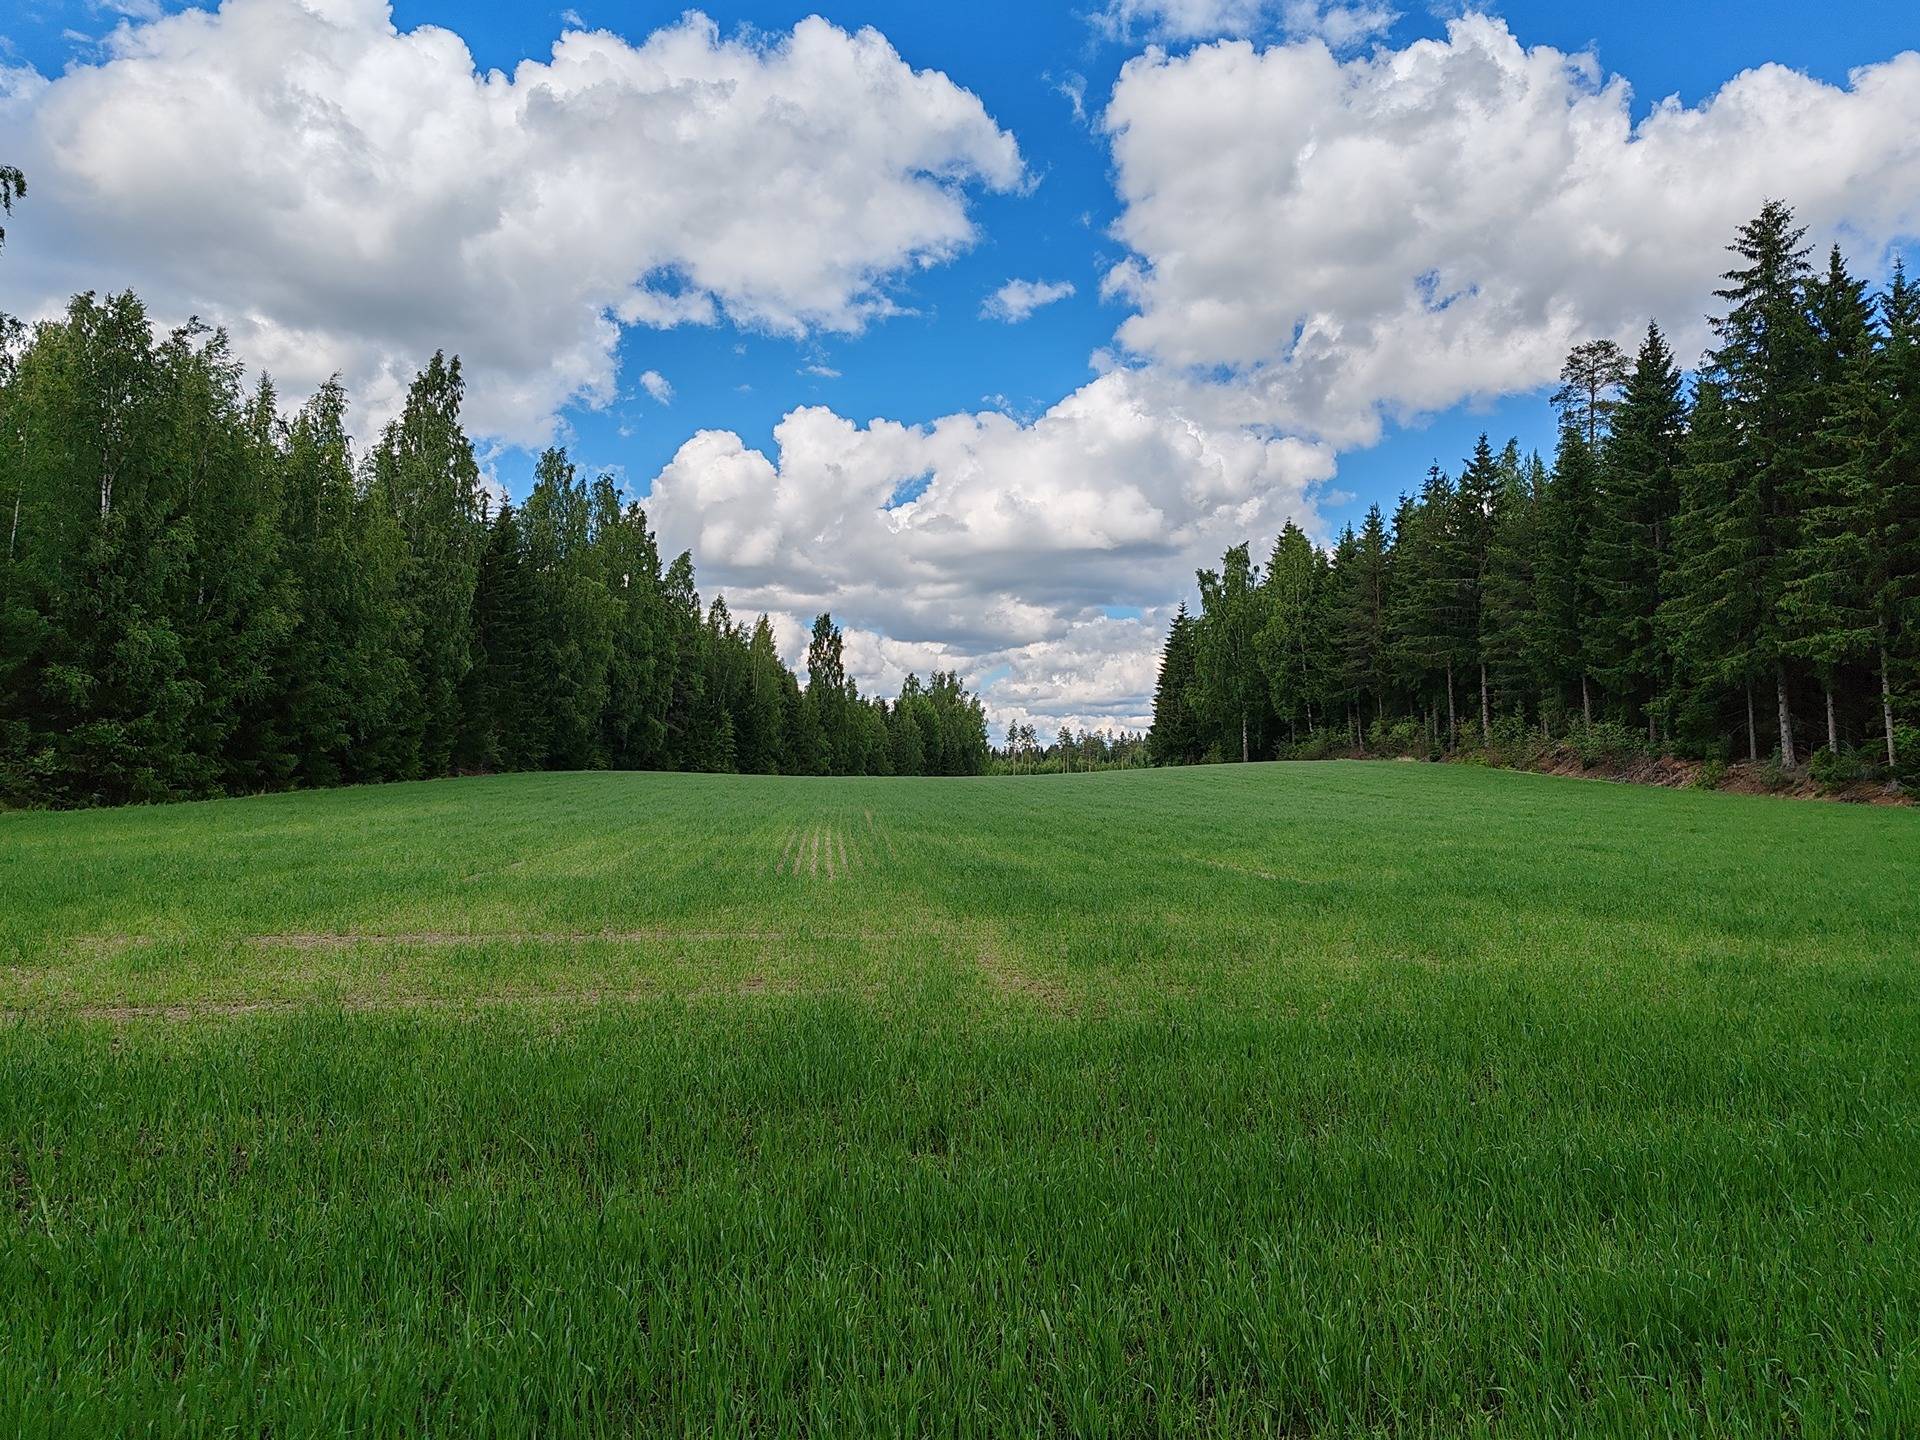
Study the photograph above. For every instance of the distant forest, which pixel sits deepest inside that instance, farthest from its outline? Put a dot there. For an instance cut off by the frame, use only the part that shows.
(1722, 570)
(199, 597)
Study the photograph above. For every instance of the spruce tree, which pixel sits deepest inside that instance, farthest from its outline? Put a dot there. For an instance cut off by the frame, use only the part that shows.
(1710, 616)
(1174, 738)
(1628, 552)
(1426, 621)
(1471, 554)
(1232, 689)
(1291, 645)
(1564, 595)
(1765, 365)
(1362, 625)
(1510, 634)
(1824, 602)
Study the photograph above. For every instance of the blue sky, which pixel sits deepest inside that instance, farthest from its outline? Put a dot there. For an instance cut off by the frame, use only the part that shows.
(1017, 58)
(1043, 76)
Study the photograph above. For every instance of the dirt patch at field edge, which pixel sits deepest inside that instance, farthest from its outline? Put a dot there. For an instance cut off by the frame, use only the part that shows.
(1667, 773)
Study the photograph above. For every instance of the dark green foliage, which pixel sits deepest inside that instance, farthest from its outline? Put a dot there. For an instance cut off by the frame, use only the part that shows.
(1232, 691)
(198, 597)
(1175, 738)
(1629, 551)
(1511, 640)
(1714, 575)
(13, 185)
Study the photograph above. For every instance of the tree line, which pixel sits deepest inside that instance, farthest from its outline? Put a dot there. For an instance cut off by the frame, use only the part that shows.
(1726, 567)
(1025, 754)
(201, 596)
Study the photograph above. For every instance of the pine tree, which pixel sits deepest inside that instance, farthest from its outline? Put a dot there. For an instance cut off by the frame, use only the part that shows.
(1589, 385)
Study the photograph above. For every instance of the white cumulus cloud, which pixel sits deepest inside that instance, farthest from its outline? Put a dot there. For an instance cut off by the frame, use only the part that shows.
(981, 542)
(1400, 232)
(657, 385)
(346, 195)
(1017, 299)
(1315, 244)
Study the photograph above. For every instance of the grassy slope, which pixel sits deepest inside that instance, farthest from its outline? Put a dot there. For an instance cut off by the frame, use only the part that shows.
(1311, 1099)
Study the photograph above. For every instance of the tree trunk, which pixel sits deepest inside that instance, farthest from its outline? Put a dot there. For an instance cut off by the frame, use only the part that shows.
(1753, 734)
(1453, 719)
(1243, 737)
(1886, 701)
(14, 533)
(1833, 730)
(1486, 707)
(1586, 700)
(1787, 757)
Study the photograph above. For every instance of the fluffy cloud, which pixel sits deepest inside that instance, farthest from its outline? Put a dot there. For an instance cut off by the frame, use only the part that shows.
(1397, 233)
(1017, 299)
(657, 385)
(984, 544)
(348, 196)
(1315, 244)
(1338, 24)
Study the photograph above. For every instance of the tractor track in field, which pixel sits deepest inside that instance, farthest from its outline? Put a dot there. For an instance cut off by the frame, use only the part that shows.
(825, 851)
(182, 1010)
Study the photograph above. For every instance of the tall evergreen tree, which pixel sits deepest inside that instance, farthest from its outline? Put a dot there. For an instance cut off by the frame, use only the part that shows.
(1627, 556)
(1471, 554)
(1564, 583)
(1292, 643)
(1510, 629)
(1175, 736)
(425, 473)
(1362, 635)
(1426, 622)
(1232, 692)
(1710, 616)
(1765, 365)
(1590, 382)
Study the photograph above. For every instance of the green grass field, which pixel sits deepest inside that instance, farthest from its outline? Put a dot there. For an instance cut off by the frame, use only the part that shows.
(1315, 1099)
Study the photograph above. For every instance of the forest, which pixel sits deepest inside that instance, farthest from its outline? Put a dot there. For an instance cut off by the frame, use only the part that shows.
(1720, 567)
(200, 596)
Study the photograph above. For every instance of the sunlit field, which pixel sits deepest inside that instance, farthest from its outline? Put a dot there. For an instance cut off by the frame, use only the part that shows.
(1312, 1099)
